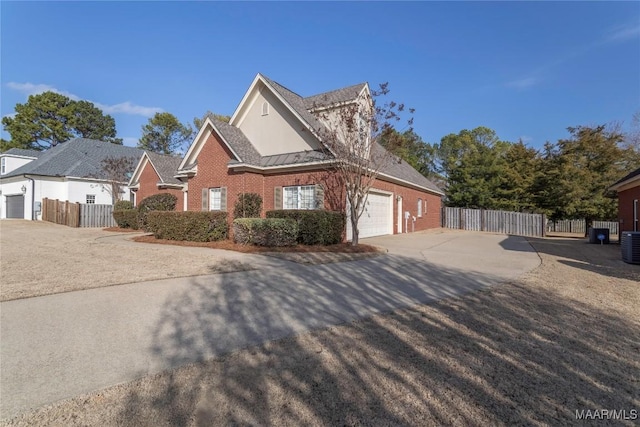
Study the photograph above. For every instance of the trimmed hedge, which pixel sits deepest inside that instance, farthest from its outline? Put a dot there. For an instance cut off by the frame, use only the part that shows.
(315, 227)
(126, 218)
(157, 202)
(265, 231)
(123, 205)
(191, 226)
(248, 205)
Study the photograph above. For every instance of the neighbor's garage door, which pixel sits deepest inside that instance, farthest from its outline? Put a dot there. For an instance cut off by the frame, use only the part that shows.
(377, 218)
(15, 206)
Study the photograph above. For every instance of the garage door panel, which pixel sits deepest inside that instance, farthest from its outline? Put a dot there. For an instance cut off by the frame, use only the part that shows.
(376, 219)
(15, 206)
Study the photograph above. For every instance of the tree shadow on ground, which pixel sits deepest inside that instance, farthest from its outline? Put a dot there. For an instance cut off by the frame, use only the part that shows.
(508, 355)
(579, 250)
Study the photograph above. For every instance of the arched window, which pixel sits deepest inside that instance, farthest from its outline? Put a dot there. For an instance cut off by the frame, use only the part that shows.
(265, 108)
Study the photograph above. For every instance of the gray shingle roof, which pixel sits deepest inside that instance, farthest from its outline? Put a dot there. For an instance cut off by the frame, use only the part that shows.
(79, 157)
(404, 171)
(298, 104)
(249, 155)
(166, 166)
(23, 152)
(238, 142)
(334, 97)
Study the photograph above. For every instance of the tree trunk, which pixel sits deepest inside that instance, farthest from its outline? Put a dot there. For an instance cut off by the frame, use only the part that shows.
(354, 233)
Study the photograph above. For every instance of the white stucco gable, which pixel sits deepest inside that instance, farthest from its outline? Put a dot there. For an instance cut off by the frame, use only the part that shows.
(272, 126)
(10, 162)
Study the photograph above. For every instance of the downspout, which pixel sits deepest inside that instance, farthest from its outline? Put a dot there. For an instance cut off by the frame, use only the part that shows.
(33, 197)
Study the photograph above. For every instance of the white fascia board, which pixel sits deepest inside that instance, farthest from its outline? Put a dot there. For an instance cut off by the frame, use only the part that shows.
(291, 109)
(166, 185)
(17, 156)
(200, 139)
(84, 179)
(280, 168)
(625, 185)
(236, 113)
(139, 168)
(193, 147)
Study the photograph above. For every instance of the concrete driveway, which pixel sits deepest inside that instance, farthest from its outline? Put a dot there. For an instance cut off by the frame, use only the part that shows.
(58, 346)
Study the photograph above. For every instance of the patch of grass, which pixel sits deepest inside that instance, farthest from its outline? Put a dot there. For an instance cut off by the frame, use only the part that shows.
(231, 246)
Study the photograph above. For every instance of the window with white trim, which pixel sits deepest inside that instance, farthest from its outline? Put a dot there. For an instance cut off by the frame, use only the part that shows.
(215, 199)
(299, 197)
(265, 108)
(3, 166)
(419, 208)
(91, 199)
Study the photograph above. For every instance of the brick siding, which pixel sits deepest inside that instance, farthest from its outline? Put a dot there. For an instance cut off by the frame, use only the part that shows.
(148, 187)
(625, 207)
(213, 172)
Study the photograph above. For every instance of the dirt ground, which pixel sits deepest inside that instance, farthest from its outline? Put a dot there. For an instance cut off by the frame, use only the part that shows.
(563, 338)
(41, 258)
(64, 259)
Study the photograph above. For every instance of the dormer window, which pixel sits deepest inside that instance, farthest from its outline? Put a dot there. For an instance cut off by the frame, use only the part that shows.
(265, 108)
(3, 166)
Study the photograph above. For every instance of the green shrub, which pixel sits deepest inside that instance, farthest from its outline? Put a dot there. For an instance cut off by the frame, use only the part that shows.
(157, 202)
(315, 227)
(126, 218)
(248, 205)
(265, 232)
(123, 205)
(191, 226)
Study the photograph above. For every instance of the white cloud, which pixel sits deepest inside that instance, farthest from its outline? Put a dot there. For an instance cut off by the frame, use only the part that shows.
(34, 89)
(623, 33)
(525, 83)
(128, 108)
(121, 108)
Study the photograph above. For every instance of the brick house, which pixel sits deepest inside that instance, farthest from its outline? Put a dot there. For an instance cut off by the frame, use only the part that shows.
(628, 189)
(155, 174)
(271, 147)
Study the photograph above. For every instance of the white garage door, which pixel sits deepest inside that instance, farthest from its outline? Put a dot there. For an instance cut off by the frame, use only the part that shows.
(377, 218)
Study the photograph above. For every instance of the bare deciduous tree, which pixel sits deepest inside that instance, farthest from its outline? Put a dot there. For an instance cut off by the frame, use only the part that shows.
(351, 136)
(116, 171)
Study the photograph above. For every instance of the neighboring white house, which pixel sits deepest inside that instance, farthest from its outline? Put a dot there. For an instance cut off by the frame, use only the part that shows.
(71, 171)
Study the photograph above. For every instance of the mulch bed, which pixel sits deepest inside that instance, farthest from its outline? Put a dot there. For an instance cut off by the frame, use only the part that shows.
(231, 246)
(121, 230)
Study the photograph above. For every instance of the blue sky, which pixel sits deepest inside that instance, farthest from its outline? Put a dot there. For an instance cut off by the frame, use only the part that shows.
(526, 70)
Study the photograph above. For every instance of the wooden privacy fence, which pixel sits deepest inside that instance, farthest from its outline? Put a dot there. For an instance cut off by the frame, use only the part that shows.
(579, 226)
(77, 214)
(515, 223)
(61, 212)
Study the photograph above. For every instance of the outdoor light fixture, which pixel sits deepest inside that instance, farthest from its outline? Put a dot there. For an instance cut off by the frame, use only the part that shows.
(24, 189)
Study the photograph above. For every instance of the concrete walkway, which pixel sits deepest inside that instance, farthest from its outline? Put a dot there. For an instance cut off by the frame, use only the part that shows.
(62, 345)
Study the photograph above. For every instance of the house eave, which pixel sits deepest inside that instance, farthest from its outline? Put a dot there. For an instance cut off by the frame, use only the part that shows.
(244, 167)
(632, 182)
(389, 178)
(162, 185)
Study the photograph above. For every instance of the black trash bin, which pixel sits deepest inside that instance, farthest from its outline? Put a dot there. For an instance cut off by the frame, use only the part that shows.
(595, 233)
